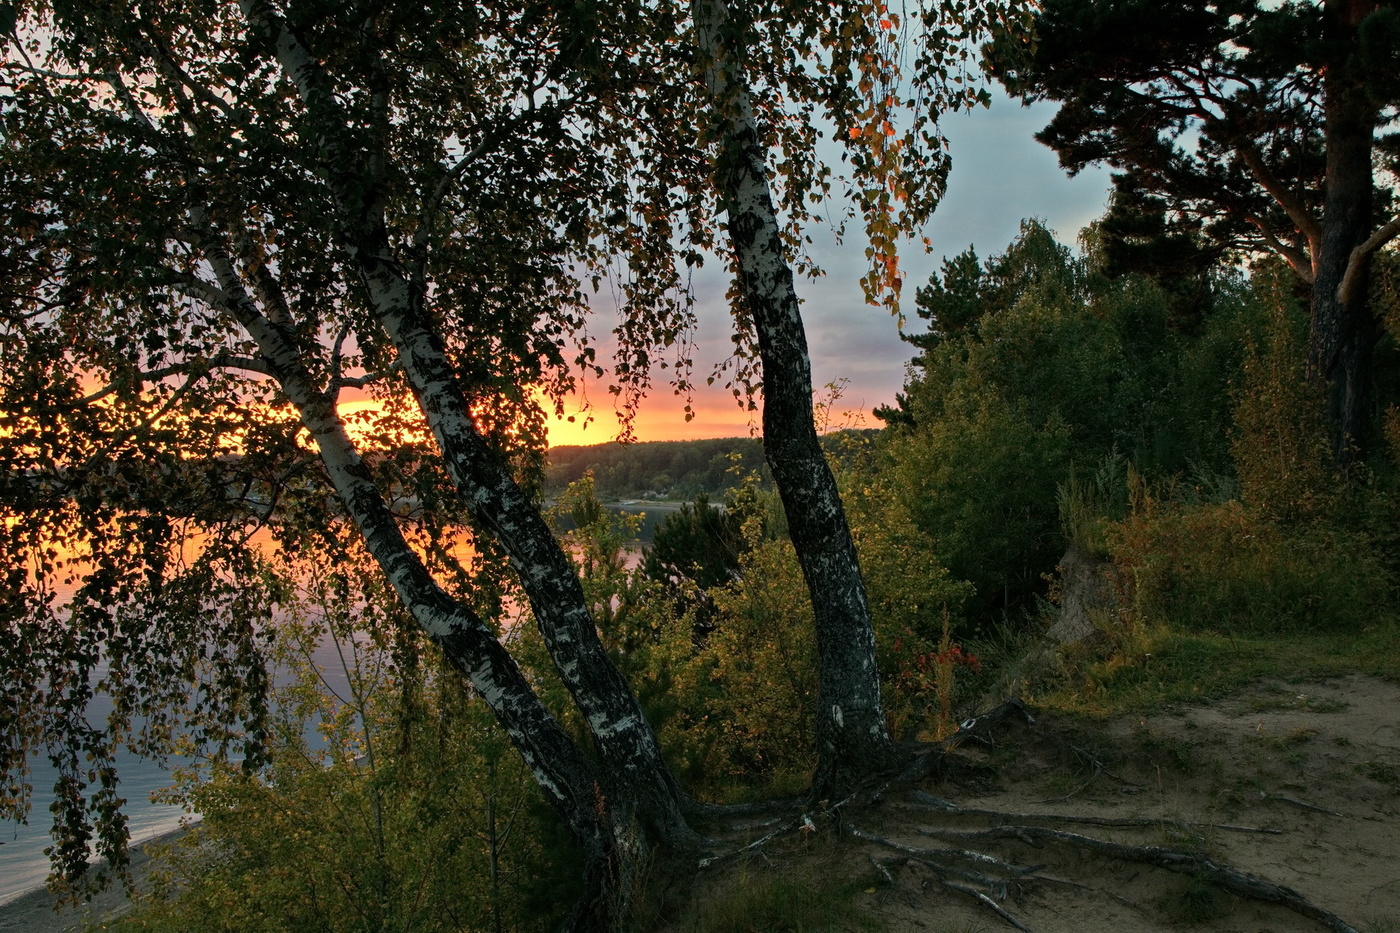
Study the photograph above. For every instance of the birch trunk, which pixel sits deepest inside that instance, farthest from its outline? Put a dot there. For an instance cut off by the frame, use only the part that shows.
(636, 787)
(637, 782)
(568, 778)
(853, 740)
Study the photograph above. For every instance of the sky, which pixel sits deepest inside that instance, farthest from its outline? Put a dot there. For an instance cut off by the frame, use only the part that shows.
(1000, 175)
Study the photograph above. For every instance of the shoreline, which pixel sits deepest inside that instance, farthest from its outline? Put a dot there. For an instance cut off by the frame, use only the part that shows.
(37, 910)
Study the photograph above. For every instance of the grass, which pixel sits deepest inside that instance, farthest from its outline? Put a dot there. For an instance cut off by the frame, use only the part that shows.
(1165, 665)
(1167, 750)
(1382, 771)
(1200, 901)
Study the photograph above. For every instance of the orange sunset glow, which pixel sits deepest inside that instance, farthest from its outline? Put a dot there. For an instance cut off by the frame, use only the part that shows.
(660, 418)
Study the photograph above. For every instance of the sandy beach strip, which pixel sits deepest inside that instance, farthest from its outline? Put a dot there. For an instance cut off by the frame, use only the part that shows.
(36, 911)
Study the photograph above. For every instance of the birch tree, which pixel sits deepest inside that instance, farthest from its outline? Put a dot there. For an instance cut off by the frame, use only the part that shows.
(899, 168)
(224, 218)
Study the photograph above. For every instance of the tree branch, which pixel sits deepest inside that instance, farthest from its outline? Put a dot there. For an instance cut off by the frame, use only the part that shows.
(192, 286)
(1297, 260)
(1305, 222)
(172, 70)
(266, 286)
(445, 183)
(133, 106)
(55, 75)
(1356, 264)
(196, 369)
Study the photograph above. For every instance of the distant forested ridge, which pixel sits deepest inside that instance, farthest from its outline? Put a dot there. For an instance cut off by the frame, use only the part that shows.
(669, 469)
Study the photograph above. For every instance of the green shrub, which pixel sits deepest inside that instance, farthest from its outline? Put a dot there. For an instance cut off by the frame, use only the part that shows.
(1280, 446)
(776, 904)
(393, 801)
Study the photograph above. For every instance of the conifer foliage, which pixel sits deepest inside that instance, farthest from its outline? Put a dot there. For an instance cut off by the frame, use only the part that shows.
(1258, 125)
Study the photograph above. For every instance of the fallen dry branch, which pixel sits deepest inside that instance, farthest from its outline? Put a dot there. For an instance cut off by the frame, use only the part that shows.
(1099, 769)
(988, 903)
(1300, 804)
(987, 890)
(758, 844)
(937, 855)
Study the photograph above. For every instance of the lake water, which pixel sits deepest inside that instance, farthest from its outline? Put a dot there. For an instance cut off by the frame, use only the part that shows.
(23, 865)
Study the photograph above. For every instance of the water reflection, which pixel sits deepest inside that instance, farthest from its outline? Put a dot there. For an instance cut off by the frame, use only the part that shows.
(23, 865)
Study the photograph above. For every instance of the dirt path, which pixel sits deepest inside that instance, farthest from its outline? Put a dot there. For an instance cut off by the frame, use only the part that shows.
(1315, 766)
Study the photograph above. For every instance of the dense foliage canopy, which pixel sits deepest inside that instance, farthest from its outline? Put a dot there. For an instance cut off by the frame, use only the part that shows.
(226, 220)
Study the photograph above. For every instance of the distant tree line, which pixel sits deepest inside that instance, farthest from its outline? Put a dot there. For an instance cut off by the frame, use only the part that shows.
(674, 469)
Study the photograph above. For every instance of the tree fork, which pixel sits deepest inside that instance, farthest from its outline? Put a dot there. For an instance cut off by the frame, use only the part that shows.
(635, 774)
(635, 777)
(556, 762)
(599, 808)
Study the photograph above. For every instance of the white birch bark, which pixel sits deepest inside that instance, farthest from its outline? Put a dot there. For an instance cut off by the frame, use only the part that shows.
(853, 738)
(637, 782)
(557, 764)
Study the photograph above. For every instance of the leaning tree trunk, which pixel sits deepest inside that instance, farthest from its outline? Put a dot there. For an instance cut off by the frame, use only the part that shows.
(637, 783)
(633, 802)
(569, 780)
(1343, 330)
(642, 798)
(853, 740)
(620, 818)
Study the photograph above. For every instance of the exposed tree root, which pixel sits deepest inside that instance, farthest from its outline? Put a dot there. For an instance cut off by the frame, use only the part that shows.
(988, 903)
(990, 880)
(1187, 861)
(995, 882)
(924, 801)
(978, 729)
(787, 829)
(1300, 804)
(1100, 892)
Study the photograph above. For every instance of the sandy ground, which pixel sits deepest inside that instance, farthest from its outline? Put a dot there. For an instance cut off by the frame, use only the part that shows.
(1316, 766)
